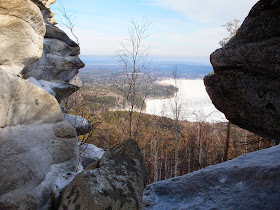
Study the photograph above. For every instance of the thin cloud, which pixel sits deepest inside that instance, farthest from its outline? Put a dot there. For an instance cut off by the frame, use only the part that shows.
(213, 11)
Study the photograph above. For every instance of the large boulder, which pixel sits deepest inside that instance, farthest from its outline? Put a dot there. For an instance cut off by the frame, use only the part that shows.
(115, 182)
(22, 30)
(32, 158)
(251, 181)
(245, 84)
(23, 103)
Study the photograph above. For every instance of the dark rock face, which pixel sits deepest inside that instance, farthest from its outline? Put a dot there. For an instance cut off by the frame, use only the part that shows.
(116, 181)
(246, 80)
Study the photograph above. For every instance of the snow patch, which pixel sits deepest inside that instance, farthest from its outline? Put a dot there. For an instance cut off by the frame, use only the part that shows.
(251, 181)
(78, 122)
(63, 179)
(91, 151)
(45, 85)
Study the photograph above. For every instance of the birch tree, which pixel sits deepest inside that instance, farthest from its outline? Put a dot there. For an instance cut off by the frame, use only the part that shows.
(133, 58)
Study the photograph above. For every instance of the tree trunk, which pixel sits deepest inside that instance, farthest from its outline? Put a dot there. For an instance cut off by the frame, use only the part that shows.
(176, 154)
(200, 146)
(227, 141)
(155, 159)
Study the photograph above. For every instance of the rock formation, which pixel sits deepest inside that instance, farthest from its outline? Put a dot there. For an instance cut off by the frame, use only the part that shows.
(32, 158)
(245, 84)
(115, 182)
(60, 61)
(22, 33)
(37, 144)
(251, 181)
(39, 150)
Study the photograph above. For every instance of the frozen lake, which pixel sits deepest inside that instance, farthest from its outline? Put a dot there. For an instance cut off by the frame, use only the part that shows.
(193, 102)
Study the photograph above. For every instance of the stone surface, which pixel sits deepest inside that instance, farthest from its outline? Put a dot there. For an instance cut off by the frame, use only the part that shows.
(45, 10)
(32, 158)
(245, 84)
(37, 146)
(251, 181)
(22, 30)
(24, 103)
(81, 125)
(62, 89)
(59, 63)
(115, 182)
(54, 32)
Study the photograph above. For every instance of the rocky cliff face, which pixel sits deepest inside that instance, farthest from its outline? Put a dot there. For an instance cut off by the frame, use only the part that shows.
(60, 61)
(37, 144)
(38, 148)
(245, 84)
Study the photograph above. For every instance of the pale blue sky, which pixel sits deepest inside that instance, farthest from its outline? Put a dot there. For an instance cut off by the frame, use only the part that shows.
(180, 28)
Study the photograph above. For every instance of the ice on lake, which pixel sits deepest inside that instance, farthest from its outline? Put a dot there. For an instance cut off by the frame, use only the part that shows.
(192, 99)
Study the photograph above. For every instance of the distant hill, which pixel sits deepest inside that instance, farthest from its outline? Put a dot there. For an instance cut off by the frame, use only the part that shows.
(108, 65)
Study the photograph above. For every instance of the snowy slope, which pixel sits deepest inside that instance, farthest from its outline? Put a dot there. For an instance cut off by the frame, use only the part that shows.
(251, 181)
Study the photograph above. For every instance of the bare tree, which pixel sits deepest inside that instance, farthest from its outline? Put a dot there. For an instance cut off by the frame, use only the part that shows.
(67, 20)
(133, 58)
(176, 110)
(201, 120)
(232, 28)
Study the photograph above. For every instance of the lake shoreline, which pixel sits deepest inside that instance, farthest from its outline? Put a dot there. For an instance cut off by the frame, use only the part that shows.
(194, 101)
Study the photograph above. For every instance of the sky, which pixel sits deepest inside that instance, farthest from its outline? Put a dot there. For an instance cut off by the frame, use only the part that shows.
(186, 30)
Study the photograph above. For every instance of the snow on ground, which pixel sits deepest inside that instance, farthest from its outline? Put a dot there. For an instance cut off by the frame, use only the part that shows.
(91, 151)
(251, 181)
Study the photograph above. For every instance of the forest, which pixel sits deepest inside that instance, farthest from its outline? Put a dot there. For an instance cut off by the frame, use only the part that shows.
(170, 147)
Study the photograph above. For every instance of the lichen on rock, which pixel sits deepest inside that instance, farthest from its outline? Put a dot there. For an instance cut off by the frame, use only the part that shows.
(116, 181)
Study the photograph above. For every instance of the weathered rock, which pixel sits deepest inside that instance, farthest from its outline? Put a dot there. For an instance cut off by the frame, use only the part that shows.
(81, 125)
(251, 181)
(24, 103)
(21, 34)
(62, 89)
(32, 158)
(37, 144)
(246, 80)
(59, 62)
(46, 12)
(58, 65)
(54, 32)
(115, 182)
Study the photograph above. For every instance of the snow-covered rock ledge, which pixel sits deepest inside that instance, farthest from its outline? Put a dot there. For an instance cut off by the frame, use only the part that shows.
(251, 181)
